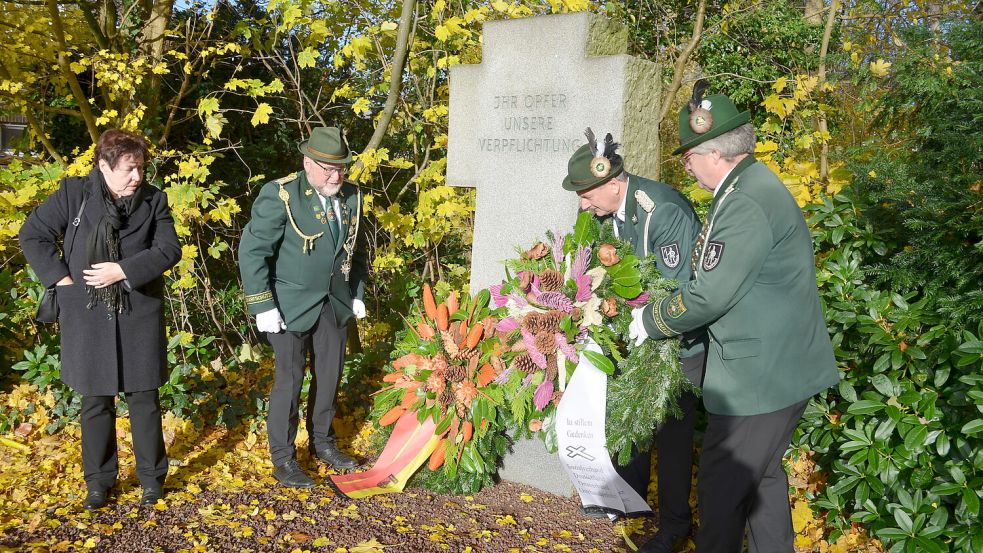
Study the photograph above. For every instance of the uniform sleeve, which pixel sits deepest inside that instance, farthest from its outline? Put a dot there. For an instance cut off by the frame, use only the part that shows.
(258, 246)
(40, 233)
(164, 251)
(360, 260)
(740, 239)
(671, 240)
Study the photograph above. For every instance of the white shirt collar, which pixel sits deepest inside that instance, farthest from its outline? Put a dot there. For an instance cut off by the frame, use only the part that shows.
(620, 214)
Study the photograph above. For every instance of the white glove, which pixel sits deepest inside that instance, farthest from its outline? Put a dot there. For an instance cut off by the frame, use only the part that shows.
(636, 330)
(358, 308)
(270, 321)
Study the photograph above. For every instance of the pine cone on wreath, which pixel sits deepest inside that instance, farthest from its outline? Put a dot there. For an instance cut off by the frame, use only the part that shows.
(550, 280)
(549, 322)
(456, 373)
(546, 342)
(557, 396)
(439, 364)
(450, 345)
(525, 364)
(465, 392)
(447, 397)
(551, 368)
(436, 383)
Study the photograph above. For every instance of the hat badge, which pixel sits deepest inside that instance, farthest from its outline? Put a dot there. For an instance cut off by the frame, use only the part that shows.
(600, 166)
(701, 120)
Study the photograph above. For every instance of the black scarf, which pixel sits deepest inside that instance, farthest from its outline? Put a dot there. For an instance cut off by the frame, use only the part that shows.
(103, 244)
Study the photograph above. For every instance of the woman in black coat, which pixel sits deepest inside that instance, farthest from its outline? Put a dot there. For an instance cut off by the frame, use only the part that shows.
(110, 293)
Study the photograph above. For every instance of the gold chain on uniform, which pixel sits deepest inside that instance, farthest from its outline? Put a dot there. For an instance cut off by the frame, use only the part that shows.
(308, 238)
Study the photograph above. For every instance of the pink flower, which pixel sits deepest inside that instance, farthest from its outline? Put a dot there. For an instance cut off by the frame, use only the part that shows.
(535, 289)
(555, 300)
(640, 300)
(518, 298)
(508, 324)
(504, 377)
(558, 248)
(496, 294)
(566, 349)
(583, 288)
(579, 266)
(537, 356)
(543, 395)
(528, 379)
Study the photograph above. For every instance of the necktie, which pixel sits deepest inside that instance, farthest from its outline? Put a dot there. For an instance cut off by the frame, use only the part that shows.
(620, 226)
(332, 218)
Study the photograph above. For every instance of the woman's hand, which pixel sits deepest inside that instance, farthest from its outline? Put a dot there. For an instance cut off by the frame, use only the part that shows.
(102, 275)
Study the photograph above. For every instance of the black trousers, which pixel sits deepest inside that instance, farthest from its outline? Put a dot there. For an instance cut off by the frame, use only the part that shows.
(100, 462)
(326, 343)
(674, 442)
(742, 483)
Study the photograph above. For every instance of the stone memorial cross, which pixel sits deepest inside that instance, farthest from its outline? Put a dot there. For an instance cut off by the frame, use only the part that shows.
(515, 120)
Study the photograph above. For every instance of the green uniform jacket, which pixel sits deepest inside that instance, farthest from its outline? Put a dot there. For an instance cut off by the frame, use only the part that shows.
(282, 269)
(755, 286)
(662, 222)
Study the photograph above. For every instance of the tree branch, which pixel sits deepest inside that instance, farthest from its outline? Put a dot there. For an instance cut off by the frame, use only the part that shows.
(823, 50)
(395, 78)
(677, 75)
(66, 70)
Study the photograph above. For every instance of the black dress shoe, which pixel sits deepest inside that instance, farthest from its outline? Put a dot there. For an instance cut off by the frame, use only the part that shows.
(664, 542)
(151, 495)
(333, 456)
(290, 475)
(94, 500)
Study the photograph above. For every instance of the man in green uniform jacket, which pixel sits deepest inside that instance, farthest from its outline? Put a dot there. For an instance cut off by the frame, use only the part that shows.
(657, 220)
(769, 350)
(303, 267)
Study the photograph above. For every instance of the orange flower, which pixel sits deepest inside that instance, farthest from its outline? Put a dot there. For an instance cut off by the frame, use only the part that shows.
(608, 255)
(536, 252)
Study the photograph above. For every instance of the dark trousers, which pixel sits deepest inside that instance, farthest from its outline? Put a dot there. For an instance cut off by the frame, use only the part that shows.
(742, 483)
(100, 462)
(326, 343)
(674, 441)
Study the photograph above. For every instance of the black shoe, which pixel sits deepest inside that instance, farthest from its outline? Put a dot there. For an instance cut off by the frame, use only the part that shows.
(333, 456)
(151, 495)
(290, 475)
(664, 542)
(94, 500)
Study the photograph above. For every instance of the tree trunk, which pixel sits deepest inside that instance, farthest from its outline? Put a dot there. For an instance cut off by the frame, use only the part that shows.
(823, 129)
(813, 11)
(395, 77)
(677, 76)
(152, 46)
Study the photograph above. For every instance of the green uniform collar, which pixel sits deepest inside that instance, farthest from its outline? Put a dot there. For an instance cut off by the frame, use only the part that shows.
(731, 179)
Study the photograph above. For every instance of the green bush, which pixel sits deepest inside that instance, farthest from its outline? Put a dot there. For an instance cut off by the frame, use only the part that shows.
(900, 437)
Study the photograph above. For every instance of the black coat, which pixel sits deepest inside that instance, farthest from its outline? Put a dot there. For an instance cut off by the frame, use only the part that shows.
(103, 354)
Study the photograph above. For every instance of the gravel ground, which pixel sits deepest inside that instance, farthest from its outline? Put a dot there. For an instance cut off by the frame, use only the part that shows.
(506, 517)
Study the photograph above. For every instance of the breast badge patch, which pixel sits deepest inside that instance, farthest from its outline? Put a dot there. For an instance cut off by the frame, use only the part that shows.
(670, 254)
(714, 253)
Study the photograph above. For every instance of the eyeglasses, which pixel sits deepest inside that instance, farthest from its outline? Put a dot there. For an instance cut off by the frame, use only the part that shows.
(684, 161)
(331, 170)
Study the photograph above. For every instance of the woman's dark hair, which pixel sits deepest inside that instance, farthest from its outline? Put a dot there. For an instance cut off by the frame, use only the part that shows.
(115, 144)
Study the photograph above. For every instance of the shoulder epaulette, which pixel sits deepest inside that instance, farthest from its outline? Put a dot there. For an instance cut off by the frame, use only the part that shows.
(284, 180)
(643, 199)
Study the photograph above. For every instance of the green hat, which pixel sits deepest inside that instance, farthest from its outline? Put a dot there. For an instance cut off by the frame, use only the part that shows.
(714, 115)
(593, 164)
(327, 144)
